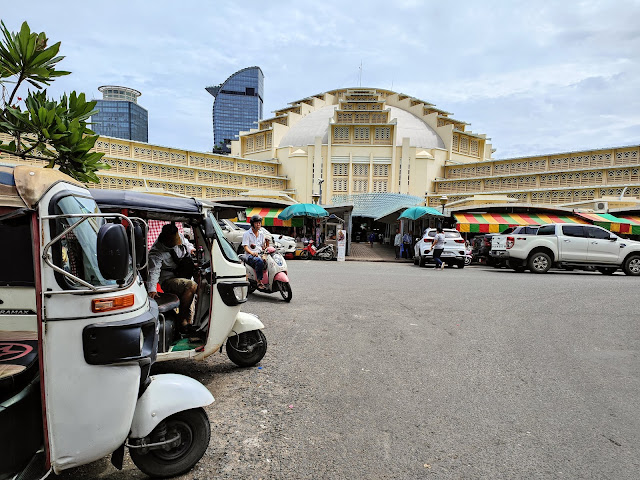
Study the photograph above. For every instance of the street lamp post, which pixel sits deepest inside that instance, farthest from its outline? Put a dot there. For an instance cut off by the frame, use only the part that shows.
(443, 202)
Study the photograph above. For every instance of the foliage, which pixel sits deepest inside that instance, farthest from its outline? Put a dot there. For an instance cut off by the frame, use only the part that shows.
(45, 129)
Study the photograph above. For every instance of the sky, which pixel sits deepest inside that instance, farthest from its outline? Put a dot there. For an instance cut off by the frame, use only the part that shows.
(537, 77)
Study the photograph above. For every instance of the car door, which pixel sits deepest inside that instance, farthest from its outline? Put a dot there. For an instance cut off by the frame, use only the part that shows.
(573, 243)
(601, 248)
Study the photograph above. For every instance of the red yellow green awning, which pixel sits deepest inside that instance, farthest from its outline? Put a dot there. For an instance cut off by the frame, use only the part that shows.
(497, 222)
(624, 224)
(270, 217)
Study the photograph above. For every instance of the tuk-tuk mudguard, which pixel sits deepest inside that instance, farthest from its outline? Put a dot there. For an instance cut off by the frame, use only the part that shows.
(245, 322)
(167, 394)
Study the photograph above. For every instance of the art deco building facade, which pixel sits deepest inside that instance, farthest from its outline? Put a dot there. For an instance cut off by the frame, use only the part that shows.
(341, 145)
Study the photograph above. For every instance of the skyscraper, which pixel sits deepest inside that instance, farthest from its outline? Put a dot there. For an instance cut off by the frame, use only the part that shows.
(237, 106)
(119, 115)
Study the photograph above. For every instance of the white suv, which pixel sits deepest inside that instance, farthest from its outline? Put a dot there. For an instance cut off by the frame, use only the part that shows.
(453, 253)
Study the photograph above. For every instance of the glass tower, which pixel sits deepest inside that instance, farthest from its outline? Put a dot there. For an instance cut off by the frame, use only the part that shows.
(119, 114)
(237, 106)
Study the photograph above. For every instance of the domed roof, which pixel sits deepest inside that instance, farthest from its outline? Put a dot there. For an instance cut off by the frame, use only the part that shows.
(316, 124)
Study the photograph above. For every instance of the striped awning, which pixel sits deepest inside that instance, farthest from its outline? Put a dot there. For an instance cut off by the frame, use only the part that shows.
(497, 222)
(270, 217)
(624, 224)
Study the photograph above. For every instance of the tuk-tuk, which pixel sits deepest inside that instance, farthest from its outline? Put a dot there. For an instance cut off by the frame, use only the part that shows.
(220, 275)
(78, 336)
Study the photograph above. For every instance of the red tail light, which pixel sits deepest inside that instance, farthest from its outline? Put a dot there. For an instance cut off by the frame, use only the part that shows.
(459, 240)
(426, 240)
(510, 242)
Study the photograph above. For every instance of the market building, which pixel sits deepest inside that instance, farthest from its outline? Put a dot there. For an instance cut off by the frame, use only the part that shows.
(376, 152)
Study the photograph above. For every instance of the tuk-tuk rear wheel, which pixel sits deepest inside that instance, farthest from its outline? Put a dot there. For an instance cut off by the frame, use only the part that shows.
(239, 352)
(195, 432)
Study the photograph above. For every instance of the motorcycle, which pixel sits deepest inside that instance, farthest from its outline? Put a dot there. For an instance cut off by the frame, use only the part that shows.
(274, 278)
(327, 252)
(468, 257)
(78, 336)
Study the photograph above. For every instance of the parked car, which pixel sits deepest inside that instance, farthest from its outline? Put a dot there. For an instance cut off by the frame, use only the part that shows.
(570, 246)
(233, 233)
(498, 250)
(453, 253)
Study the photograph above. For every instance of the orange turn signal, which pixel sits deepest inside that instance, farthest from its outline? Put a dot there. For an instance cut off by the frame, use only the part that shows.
(113, 303)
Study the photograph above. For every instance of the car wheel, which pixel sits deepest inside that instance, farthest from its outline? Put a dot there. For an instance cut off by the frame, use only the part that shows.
(415, 259)
(539, 262)
(461, 264)
(422, 261)
(632, 265)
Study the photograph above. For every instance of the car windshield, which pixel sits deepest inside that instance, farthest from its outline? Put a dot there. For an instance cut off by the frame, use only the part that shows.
(432, 234)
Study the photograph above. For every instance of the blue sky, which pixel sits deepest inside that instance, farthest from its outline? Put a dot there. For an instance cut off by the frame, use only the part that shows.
(536, 76)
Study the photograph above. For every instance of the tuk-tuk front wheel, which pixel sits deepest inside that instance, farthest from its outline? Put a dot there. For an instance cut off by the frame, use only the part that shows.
(194, 430)
(247, 349)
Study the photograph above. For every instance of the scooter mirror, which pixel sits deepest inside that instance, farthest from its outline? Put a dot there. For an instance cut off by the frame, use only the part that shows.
(209, 231)
(113, 252)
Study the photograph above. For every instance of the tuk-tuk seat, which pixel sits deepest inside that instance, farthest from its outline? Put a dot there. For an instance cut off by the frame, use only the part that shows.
(167, 302)
(21, 433)
(18, 361)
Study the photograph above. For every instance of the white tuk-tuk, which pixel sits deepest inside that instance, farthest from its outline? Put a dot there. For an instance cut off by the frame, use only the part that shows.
(221, 278)
(78, 335)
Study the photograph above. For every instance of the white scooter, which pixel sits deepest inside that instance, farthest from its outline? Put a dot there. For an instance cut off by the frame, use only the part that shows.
(78, 336)
(274, 278)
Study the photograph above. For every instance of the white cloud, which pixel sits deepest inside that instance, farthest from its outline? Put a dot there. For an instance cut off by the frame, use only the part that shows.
(535, 76)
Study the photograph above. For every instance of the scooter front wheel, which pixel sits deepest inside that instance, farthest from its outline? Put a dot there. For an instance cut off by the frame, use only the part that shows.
(195, 432)
(285, 291)
(247, 349)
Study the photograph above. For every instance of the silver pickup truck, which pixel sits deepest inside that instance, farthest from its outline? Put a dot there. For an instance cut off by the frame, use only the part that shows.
(571, 246)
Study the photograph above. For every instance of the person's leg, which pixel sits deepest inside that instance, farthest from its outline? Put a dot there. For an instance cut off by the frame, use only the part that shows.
(259, 267)
(436, 257)
(185, 290)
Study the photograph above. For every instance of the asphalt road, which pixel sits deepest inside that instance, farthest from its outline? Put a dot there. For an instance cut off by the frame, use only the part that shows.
(391, 371)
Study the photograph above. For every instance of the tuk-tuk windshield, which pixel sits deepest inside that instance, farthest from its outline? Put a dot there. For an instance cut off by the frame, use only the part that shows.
(227, 249)
(76, 252)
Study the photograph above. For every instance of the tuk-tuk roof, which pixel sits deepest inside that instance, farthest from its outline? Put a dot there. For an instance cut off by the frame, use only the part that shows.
(24, 185)
(147, 202)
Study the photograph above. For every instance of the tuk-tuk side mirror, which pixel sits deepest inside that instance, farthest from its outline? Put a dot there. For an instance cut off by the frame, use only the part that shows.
(209, 231)
(242, 215)
(113, 252)
(140, 239)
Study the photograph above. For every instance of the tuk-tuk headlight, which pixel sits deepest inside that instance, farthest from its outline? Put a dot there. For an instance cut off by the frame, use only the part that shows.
(241, 293)
(233, 293)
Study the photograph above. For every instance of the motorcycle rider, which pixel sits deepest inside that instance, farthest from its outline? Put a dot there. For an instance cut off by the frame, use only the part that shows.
(254, 242)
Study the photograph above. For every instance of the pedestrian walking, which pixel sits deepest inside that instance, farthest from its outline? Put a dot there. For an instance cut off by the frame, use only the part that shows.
(438, 246)
(397, 243)
(372, 238)
(406, 244)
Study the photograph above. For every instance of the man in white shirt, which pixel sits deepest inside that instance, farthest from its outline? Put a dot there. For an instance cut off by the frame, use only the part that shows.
(254, 242)
(397, 243)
